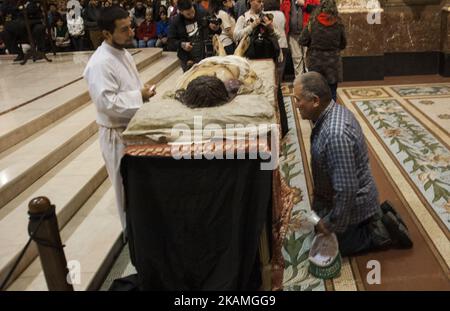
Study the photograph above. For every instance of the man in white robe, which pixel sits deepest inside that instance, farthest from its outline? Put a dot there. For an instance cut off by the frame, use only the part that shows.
(117, 92)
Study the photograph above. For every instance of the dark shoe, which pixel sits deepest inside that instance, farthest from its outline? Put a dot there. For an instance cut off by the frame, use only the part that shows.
(398, 232)
(19, 58)
(38, 57)
(380, 236)
(387, 206)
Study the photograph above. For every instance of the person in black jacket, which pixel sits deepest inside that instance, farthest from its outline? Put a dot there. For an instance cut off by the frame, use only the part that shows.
(188, 33)
(325, 38)
(15, 27)
(90, 15)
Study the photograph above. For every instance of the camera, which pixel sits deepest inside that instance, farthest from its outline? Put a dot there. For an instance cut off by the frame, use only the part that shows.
(214, 20)
(210, 19)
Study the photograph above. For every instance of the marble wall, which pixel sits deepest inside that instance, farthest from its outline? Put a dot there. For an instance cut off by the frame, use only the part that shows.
(390, 26)
(445, 30)
(395, 37)
(414, 28)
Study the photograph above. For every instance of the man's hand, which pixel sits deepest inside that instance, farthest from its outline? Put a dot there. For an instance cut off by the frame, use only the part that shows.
(145, 39)
(148, 91)
(320, 227)
(187, 46)
(300, 2)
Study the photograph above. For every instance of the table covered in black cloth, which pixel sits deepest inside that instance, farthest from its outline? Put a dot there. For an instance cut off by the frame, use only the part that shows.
(195, 224)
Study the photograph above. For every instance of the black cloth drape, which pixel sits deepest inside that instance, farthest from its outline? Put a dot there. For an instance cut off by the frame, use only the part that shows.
(195, 224)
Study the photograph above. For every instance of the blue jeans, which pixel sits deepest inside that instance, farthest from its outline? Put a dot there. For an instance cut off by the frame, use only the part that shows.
(150, 43)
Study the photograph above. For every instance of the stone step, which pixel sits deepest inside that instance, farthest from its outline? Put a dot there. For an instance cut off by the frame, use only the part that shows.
(23, 122)
(92, 245)
(23, 164)
(162, 68)
(68, 185)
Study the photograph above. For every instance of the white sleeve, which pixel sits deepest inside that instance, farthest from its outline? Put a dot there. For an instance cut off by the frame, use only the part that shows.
(240, 30)
(104, 90)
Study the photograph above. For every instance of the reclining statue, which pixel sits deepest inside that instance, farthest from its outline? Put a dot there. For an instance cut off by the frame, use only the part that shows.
(216, 80)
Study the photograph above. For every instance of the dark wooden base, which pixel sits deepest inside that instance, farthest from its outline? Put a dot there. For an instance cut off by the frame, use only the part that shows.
(366, 68)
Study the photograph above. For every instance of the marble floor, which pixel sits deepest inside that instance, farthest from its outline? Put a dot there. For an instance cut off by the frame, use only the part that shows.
(21, 84)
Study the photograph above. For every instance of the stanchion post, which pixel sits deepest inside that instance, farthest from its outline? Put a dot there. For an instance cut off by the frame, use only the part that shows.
(48, 240)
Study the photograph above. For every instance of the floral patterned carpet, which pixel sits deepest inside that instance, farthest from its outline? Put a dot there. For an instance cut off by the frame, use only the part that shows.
(397, 115)
(407, 127)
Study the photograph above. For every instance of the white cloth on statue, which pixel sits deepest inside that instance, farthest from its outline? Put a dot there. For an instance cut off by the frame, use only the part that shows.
(115, 88)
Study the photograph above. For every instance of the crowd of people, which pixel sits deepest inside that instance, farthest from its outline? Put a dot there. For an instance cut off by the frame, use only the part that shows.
(310, 33)
(73, 24)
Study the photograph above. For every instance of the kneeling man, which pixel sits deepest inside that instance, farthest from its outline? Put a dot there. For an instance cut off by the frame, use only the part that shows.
(345, 194)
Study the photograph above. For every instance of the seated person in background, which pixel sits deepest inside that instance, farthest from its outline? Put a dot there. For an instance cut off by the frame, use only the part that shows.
(2, 42)
(75, 24)
(138, 13)
(345, 194)
(162, 28)
(146, 32)
(60, 35)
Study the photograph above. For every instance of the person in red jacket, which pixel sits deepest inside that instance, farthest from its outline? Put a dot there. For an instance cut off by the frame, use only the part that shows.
(308, 7)
(146, 32)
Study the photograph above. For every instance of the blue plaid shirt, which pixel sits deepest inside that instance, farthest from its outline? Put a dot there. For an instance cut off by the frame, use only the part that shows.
(344, 190)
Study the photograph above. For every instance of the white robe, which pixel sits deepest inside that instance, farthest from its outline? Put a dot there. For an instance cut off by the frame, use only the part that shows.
(115, 89)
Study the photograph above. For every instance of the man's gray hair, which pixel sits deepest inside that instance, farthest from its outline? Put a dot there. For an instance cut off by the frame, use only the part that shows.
(314, 84)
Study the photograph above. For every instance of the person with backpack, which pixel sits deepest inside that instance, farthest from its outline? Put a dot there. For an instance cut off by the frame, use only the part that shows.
(325, 38)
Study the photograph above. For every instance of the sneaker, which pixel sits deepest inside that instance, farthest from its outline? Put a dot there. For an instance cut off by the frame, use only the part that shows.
(398, 232)
(387, 206)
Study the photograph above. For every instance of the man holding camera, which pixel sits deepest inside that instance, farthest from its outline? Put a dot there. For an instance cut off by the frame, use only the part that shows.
(189, 33)
(259, 27)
